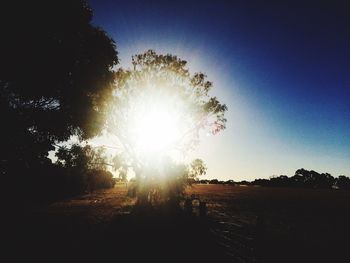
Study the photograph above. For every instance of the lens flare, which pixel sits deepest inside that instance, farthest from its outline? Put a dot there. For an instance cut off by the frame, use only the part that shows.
(159, 109)
(155, 131)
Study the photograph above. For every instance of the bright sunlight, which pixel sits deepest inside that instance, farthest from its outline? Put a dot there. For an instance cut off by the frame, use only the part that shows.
(155, 129)
(159, 109)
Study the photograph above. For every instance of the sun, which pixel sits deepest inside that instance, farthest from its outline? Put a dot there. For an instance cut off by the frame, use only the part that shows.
(159, 110)
(155, 127)
(152, 120)
(156, 131)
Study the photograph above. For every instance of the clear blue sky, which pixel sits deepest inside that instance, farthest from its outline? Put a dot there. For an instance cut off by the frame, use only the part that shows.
(283, 69)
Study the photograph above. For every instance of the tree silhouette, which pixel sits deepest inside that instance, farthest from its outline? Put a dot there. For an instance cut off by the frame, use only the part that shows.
(85, 157)
(55, 79)
(165, 79)
(306, 179)
(343, 182)
(87, 165)
(314, 179)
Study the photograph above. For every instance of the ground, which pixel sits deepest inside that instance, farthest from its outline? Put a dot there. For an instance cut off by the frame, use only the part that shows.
(244, 224)
(280, 224)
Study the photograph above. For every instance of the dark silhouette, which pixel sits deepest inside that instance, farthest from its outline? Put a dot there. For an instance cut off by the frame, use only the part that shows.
(306, 179)
(203, 208)
(55, 79)
(301, 179)
(87, 166)
(343, 182)
(188, 207)
(214, 181)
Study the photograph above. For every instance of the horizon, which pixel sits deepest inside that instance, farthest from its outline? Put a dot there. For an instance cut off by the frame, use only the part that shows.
(282, 75)
(212, 131)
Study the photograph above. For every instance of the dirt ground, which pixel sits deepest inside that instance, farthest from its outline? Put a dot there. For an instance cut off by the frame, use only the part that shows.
(244, 224)
(280, 224)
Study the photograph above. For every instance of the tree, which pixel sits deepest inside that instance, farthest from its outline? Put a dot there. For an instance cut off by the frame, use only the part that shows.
(196, 168)
(159, 109)
(343, 182)
(120, 168)
(84, 157)
(301, 178)
(86, 165)
(55, 79)
(314, 179)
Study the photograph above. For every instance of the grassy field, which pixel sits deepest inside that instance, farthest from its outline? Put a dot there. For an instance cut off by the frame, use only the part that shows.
(244, 224)
(279, 224)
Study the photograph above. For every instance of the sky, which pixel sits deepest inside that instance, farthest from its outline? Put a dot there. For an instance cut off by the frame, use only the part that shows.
(281, 67)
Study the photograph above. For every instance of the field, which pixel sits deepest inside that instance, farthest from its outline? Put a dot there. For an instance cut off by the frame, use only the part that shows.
(280, 224)
(244, 224)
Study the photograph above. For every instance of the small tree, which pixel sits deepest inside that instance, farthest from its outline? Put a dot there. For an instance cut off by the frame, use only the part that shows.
(85, 157)
(196, 168)
(343, 182)
(87, 166)
(159, 110)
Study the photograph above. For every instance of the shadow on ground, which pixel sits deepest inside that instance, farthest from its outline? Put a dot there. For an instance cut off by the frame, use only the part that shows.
(244, 224)
(140, 235)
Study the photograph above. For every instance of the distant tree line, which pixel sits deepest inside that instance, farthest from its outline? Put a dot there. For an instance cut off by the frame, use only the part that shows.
(216, 181)
(302, 179)
(306, 179)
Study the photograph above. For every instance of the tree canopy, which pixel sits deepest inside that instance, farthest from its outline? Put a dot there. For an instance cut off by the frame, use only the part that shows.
(162, 83)
(87, 165)
(56, 77)
(158, 111)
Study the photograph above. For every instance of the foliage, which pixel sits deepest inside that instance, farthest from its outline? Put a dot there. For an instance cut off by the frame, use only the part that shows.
(164, 79)
(53, 182)
(196, 169)
(163, 76)
(99, 179)
(87, 165)
(343, 182)
(55, 79)
(306, 179)
(85, 157)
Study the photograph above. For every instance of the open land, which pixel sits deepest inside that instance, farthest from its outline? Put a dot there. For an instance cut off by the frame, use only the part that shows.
(244, 224)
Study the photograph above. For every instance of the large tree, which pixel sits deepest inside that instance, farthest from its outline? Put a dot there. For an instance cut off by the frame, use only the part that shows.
(55, 78)
(158, 112)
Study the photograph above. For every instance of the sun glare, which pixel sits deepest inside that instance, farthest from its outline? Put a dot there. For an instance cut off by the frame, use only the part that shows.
(160, 109)
(155, 130)
(155, 121)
